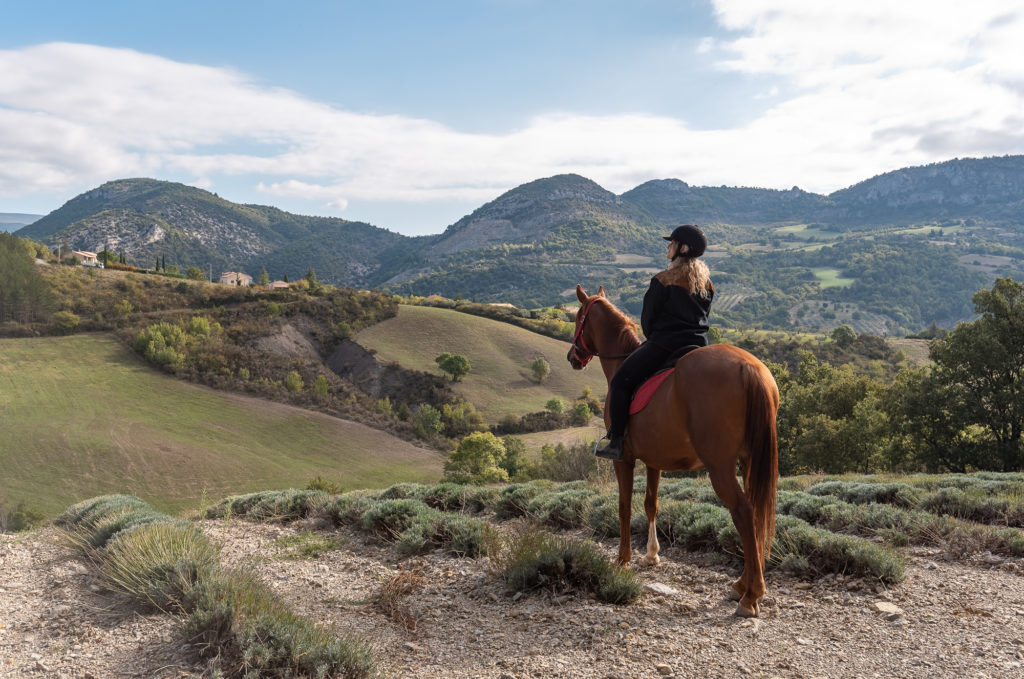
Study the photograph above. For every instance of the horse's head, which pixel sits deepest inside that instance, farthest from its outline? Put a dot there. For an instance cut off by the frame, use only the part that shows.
(580, 352)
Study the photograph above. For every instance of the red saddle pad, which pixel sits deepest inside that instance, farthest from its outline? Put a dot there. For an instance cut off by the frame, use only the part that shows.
(643, 395)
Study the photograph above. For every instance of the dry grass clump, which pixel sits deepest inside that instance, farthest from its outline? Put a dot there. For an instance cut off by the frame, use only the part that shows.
(390, 599)
(156, 563)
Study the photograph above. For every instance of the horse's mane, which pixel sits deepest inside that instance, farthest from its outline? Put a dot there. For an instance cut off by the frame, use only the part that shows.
(627, 331)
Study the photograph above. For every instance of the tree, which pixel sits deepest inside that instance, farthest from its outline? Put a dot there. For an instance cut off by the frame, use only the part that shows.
(844, 336)
(514, 459)
(541, 369)
(555, 405)
(475, 460)
(455, 365)
(25, 296)
(312, 279)
(982, 363)
(426, 421)
(264, 278)
(195, 273)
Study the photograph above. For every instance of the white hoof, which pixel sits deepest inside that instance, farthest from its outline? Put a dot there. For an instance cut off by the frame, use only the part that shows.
(648, 560)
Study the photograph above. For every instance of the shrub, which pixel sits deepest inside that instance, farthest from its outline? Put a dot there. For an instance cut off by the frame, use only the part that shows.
(514, 499)
(347, 509)
(538, 560)
(22, 517)
(87, 514)
(293, 382)
(899, 494)
(390, 518)
(65, 322)
(563, 509)
(322, 484)
(106, 529)
(446, 496)
(403, 490)
(236, 617)
(271, 505)
(457, 534)
(156, 563)
(799, 544)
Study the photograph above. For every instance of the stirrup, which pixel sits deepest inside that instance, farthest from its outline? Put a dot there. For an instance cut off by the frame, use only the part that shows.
(612, 450)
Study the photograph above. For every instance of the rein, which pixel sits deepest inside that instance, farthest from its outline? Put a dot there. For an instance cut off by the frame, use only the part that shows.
(580, 351)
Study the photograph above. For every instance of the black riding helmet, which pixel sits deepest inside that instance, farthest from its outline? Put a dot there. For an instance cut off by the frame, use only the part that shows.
(691, 236)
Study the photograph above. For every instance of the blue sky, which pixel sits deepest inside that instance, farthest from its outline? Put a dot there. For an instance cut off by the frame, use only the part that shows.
(409, 115)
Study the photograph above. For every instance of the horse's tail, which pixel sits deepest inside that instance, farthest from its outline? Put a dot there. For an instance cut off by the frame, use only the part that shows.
(762, 470)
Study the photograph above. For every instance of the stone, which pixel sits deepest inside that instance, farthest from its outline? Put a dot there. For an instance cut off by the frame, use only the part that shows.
(887, 608)
(663, 669)
(660, 589)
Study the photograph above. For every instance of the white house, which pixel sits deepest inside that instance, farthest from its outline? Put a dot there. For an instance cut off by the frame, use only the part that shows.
(235, 278)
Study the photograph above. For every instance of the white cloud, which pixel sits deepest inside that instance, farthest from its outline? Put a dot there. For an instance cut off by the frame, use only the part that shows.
(860, 88)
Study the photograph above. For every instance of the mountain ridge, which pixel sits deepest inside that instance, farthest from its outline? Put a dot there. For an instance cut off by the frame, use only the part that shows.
(536, 241)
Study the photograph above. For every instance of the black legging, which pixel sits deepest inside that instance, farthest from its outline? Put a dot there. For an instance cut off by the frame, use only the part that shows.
(637, 367)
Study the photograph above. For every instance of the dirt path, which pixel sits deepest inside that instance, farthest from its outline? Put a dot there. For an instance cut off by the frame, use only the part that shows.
(949, 619)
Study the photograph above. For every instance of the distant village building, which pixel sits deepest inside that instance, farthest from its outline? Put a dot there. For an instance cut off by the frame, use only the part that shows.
(278, 285)
(235, 278)
(85, 258)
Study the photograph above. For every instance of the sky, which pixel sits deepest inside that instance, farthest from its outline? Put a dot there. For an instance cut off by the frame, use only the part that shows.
(410, 114)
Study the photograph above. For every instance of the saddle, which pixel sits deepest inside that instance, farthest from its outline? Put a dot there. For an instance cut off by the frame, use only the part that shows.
(642, 396)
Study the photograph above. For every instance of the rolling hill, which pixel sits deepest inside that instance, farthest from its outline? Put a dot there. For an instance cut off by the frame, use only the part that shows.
(499, 382)
(83, 416)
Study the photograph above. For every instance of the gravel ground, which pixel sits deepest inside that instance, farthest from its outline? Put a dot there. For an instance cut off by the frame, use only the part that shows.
(949, 619)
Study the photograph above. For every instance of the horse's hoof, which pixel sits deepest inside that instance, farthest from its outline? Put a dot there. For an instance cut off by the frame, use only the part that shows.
(650, 560)
(744, 612)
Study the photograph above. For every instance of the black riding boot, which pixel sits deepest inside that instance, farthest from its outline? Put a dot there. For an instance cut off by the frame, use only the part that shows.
(612, 450)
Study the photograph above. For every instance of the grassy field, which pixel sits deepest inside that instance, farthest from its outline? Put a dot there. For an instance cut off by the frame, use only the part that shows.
(500, 354)
(570, 437)
(829, 277)
(84, 417)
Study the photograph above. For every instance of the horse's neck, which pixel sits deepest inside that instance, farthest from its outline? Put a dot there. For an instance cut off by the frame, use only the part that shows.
(616, 341)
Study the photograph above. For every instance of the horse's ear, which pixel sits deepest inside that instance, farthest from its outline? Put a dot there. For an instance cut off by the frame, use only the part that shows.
(600, 291)
(581, 294)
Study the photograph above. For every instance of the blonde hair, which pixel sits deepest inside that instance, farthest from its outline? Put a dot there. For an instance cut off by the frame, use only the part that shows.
(694, 274)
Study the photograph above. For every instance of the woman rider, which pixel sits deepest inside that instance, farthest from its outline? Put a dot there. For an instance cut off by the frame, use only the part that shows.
(675, 314)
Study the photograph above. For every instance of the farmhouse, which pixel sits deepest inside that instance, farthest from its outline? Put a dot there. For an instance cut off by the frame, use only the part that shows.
(85, 258)
(278, 285)
(235, 278)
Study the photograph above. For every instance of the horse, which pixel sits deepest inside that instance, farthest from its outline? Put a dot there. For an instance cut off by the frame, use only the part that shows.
(718, 410)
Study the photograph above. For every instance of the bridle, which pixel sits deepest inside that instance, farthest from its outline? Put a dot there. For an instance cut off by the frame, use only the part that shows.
(580, 351)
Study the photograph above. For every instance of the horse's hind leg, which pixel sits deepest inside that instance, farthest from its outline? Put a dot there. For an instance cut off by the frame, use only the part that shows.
(750, 586)
(651, 509)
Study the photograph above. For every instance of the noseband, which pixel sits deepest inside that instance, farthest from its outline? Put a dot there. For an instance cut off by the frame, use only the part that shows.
(580, 351)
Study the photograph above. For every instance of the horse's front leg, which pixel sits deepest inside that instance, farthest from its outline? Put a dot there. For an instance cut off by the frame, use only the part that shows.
(624, 476)
(651, 509)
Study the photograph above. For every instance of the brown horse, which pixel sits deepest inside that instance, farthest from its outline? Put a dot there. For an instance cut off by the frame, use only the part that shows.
(717, 411)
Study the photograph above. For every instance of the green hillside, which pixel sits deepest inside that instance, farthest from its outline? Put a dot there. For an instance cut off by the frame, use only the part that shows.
(500, 381)
(84, 417)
